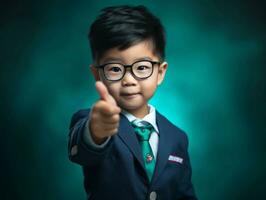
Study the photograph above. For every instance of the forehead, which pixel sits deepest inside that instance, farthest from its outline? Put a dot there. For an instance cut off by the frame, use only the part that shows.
(136, 52)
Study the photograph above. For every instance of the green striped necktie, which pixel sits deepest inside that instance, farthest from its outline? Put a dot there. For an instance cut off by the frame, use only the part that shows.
(143, 130)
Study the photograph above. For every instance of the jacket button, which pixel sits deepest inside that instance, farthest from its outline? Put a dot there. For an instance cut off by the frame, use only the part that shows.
(74, 150)
(153, 195)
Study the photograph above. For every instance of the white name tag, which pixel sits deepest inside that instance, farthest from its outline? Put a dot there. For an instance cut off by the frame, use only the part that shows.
(175, 159)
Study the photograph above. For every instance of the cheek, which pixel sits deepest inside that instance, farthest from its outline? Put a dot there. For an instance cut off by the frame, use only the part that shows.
(149, 87)
(113, 89)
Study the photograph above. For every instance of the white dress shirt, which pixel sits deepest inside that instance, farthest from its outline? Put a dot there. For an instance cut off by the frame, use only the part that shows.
(150, 117)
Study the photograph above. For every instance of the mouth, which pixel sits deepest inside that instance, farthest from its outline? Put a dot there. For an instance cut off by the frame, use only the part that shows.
(130, 94)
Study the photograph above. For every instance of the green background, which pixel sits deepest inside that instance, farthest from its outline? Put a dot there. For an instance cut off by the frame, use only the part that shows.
(214, 90)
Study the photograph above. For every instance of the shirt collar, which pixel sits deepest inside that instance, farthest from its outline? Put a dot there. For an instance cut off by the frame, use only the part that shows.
(150, 117)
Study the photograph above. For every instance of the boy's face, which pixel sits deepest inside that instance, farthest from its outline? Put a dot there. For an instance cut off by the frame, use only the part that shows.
(130, 93)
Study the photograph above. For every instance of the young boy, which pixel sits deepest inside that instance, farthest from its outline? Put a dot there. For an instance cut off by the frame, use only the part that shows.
(127, 149)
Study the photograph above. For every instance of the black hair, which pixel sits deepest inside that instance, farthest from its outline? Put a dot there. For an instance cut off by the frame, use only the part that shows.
(124, 26)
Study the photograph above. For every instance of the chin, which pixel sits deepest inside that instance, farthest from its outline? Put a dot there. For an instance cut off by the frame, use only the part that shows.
(131, 107)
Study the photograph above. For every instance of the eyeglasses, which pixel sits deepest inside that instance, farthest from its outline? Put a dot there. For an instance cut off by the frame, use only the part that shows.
(116, 71)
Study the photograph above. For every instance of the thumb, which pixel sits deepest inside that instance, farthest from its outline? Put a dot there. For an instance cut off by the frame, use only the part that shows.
(103, 92)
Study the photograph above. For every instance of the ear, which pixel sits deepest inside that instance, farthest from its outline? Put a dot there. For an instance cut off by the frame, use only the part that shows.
(95, 72)
(161, 72)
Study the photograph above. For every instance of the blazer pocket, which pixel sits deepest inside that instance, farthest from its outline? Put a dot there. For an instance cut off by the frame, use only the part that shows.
(176, 162)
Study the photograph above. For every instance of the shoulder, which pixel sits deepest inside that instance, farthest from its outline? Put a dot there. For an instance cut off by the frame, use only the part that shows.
(80, 114)
(171, 128)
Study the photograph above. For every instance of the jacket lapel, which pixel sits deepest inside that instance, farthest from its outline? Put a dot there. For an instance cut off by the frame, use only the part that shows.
(165, 145)
(128, 136)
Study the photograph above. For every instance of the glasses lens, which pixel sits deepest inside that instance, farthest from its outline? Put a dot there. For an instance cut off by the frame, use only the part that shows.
(142, 69)
(113, 71)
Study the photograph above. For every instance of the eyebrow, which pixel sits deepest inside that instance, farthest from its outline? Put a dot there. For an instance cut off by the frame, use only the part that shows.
(120, 60)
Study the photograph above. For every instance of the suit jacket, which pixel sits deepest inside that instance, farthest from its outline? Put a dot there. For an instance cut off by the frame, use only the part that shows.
(117, 171)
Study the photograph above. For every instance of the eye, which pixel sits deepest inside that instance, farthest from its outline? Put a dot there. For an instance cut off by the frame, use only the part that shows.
(114, 69)
(142, 67)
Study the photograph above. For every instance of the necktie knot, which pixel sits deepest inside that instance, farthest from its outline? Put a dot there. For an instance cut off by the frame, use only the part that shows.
(143, 130)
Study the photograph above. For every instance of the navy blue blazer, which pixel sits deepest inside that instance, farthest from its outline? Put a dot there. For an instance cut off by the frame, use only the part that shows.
(117, 171)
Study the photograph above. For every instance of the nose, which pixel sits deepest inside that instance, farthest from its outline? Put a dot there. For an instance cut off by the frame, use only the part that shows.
(129, 79)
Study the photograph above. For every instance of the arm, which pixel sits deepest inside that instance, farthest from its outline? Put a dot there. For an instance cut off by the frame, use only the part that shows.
(186, 187)
(91, 131)
(79, 150)
(87, 136)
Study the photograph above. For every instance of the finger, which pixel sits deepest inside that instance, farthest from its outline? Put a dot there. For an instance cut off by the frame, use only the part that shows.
(102, 90)
(107, 127)
(112, 131)
(103, 110)
(106, 109)
(113, 119)
(104, 94)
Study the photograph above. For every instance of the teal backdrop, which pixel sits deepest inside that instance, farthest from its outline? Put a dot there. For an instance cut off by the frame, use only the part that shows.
(214, 90)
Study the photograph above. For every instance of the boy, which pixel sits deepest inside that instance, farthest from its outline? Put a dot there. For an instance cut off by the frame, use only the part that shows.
(127, 149)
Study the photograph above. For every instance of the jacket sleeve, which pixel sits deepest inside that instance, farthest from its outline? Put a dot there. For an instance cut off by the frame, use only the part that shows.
(80, 152)
(186, 187)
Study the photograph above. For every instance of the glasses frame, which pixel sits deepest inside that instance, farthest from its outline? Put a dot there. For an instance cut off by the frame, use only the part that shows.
(129, 66)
